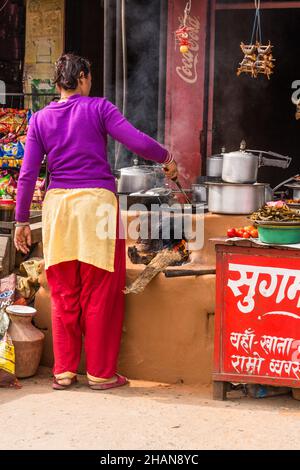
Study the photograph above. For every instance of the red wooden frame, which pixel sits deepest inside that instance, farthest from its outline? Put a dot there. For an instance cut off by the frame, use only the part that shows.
(218, 373)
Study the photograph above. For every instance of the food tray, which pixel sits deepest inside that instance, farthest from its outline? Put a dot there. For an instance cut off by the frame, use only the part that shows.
(293, 205)
(277, 223)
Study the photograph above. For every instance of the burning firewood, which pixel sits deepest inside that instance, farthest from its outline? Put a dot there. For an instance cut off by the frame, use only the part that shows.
(157, 253)
(158, 264)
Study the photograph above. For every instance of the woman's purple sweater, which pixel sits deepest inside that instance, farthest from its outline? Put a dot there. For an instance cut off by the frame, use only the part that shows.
(73, 135)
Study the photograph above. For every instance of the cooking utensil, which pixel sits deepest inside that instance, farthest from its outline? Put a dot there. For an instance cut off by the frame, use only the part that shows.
(148, 198)
(226, 198)
(242, 166)
(285, 182)
(137, 178)
(214, 165)
(199, 192)
(296, 190)
(176, 181)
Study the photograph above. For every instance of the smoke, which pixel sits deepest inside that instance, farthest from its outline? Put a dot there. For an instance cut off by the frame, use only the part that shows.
(143, 36)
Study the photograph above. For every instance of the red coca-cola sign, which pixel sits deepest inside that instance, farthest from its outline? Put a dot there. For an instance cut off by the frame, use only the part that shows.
(185, 89)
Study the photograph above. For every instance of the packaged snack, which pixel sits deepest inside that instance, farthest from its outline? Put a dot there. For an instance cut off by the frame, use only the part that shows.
(4, 183)
(13, 149)
(7, 291)
(7, 363)
(7, 350)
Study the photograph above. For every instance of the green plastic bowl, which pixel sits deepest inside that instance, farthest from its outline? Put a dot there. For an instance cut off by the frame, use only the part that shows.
(279, 235)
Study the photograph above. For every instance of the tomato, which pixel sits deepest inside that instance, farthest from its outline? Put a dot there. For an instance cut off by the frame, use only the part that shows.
(246, 235)
(231, 233)
(249, 228)
(239, 233)
(254, 233)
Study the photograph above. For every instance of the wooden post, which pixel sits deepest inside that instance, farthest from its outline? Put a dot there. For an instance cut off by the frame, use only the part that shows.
(220, 390)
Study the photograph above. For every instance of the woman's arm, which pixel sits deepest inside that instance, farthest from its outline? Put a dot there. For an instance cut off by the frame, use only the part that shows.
(117, 126)
(33, 157)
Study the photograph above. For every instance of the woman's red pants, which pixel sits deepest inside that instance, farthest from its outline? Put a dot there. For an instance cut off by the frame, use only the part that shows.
(89, 302)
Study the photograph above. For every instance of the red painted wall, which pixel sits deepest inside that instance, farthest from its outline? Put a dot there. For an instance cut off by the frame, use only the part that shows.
(185, 91)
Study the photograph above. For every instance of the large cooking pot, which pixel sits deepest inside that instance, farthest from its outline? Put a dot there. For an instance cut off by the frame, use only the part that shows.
(242, 166)
(226, 198)
(139, 178)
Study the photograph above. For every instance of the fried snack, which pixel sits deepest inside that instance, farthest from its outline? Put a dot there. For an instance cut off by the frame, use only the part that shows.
(276, 214)
(258, 59)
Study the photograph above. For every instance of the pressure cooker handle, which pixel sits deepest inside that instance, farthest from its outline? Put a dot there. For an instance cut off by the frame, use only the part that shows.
(265, 161)
(280, 161)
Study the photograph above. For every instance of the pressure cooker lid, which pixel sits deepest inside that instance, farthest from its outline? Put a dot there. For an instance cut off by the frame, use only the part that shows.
(242, 154)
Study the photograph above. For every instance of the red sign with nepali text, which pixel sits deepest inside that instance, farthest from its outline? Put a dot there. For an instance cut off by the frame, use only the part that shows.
(259, 306)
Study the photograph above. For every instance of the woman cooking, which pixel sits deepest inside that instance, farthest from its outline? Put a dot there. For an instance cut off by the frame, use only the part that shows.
(85, 271)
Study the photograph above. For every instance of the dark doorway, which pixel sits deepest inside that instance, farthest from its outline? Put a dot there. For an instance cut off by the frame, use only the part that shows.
(84, 36)
(12, 48)
(257, 110)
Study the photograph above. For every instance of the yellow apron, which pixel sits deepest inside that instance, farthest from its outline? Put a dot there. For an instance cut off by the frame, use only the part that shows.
(80, 224)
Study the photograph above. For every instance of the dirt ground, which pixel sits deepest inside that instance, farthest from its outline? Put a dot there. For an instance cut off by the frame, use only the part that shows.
(144, 415)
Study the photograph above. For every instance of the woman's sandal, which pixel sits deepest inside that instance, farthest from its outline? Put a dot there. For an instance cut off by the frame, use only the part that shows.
(121, 380)
(57, 386)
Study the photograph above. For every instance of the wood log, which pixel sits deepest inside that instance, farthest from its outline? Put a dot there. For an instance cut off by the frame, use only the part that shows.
(159, 263)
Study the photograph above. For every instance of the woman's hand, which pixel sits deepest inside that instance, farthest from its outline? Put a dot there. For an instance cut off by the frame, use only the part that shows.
(23, 239)
(171, 170)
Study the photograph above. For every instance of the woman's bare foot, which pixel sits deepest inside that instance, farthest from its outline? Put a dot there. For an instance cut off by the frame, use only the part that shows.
(64, 382)
(112, 379)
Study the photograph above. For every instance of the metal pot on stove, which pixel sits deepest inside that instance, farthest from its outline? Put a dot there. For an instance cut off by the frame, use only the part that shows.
(242, 166)
(227, 198)
(214, 165)
(139, 178)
